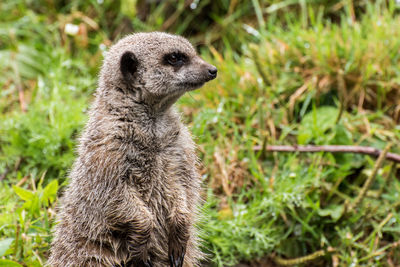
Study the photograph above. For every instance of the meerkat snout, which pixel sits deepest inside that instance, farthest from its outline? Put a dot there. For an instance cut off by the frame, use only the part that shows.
(212, 72)
(207, 71)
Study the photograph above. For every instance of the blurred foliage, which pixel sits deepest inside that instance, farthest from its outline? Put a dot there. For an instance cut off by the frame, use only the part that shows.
(290, 72)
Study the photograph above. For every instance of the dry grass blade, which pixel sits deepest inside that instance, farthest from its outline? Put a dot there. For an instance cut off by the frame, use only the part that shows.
(220, 162)
(18, 84)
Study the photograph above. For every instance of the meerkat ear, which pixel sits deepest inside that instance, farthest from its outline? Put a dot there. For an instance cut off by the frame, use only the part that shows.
(128, 66)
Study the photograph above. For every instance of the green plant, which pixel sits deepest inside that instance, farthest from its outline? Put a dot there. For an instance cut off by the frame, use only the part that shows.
(290, 72)
(32, 232)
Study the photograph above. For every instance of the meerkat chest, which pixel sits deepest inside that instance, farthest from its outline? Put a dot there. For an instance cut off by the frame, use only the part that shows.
(175, 162)
(162, 165)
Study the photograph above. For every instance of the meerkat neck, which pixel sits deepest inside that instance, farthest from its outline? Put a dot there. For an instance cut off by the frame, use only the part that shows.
(164, 104)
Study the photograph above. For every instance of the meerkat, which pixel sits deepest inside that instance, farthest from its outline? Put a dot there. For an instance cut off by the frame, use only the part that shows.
(134, 188)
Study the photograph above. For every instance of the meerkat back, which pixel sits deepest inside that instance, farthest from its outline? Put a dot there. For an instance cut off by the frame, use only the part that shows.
(134, 188)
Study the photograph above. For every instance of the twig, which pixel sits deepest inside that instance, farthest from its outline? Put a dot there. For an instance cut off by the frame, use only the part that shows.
(22, 181)
(303, 259)
(332, 148)
(370, 179)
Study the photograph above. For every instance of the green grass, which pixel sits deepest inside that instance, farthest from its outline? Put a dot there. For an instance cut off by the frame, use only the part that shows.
(290, 72)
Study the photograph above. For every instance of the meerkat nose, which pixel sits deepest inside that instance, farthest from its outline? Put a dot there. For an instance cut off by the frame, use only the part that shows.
(212, 72)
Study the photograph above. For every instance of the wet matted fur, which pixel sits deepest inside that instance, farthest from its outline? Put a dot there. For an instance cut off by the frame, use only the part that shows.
(134, 188)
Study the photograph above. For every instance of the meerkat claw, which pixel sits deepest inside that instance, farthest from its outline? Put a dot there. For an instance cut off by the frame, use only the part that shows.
(171, 260)
(176, 262)
(181, 260)
(148, 263)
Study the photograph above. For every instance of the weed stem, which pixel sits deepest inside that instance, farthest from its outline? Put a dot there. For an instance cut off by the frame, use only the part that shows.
(300, 260)
(370, 179)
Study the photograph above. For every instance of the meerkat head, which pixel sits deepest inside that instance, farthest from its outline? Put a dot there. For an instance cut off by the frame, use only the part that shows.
(154, 67)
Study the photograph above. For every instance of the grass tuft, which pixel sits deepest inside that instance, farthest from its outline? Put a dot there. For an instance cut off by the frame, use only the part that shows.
(290, 72)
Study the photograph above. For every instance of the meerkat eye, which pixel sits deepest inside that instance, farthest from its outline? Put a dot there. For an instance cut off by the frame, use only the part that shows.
(175, 59)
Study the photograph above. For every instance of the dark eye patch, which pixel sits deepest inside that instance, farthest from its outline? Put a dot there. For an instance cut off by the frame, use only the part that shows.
(176, 59)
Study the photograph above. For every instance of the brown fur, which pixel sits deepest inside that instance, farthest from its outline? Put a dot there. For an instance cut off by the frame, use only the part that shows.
(134, 188)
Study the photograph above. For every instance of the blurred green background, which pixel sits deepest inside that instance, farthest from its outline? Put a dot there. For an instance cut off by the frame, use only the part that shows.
(322, 72)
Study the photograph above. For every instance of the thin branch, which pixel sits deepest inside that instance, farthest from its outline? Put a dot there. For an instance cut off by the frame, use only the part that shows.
(333, 149)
